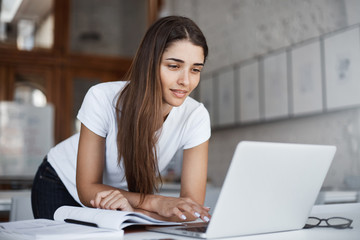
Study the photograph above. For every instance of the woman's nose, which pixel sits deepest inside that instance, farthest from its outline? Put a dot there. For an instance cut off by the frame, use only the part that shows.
(184, 78)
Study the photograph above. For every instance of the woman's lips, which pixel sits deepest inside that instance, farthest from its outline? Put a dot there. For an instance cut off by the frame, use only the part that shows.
(179, 93)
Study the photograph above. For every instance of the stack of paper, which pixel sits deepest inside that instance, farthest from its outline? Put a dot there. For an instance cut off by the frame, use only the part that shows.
(54, 230)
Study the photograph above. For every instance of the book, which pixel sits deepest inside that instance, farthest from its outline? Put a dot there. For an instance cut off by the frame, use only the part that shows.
(77, 223)
(103, 218)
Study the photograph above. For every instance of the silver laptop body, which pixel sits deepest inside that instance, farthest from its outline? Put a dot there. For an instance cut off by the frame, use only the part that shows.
(269, 187)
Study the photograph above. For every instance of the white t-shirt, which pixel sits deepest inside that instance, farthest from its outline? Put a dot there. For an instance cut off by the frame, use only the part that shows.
(186, 126)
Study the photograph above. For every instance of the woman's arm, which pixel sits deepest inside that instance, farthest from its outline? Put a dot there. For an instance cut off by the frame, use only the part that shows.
(93, 193)
(194, 170)
(89, 170)
(194, 175)
(193, 188)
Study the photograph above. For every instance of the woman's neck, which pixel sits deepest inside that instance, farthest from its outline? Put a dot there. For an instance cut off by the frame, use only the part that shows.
(166, 110)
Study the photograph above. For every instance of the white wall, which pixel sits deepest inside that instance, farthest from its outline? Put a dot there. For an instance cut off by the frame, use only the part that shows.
(237, 30)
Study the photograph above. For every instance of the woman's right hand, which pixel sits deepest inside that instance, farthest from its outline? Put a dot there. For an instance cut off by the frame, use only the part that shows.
(111, 199)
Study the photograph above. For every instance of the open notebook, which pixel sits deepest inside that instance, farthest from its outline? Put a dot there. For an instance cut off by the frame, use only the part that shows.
(269, 187)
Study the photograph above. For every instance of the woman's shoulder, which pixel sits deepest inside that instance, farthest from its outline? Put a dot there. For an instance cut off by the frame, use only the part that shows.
(109, 86)
(191, 106)
(192, 103)
(107, 91)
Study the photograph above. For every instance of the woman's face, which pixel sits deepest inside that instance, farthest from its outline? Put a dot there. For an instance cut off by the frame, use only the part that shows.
(180, 68)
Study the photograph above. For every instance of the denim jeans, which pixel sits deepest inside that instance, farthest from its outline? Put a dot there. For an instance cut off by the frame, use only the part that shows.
(48, 192)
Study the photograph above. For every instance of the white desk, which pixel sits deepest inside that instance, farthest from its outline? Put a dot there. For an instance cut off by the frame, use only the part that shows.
(349, 210)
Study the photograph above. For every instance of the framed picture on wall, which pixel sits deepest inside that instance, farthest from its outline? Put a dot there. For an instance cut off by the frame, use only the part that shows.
(306, 75)
(342, 69)
(226, 97)
(248, 93)
(275, 86)
(207, 97)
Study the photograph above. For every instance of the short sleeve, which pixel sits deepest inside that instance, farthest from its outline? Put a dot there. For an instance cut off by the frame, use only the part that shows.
(94, 111)
(198, 128)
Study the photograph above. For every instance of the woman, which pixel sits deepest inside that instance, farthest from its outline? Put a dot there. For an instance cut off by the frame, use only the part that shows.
(131, 130)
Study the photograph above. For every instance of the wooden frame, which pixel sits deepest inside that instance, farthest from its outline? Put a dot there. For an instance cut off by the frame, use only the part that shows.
(60, 66)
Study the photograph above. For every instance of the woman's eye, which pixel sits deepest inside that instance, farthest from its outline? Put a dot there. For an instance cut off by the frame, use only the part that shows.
(172, 66)
(196, 70)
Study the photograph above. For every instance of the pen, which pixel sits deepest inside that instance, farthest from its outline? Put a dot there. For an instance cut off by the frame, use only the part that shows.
(90, 224)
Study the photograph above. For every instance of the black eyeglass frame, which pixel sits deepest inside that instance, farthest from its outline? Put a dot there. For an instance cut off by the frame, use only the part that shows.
(326, 220)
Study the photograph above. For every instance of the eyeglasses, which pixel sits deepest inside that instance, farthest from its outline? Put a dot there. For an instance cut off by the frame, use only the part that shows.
(334, 222)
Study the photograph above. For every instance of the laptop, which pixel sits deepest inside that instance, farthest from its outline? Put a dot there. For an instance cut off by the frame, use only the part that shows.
(269, 187)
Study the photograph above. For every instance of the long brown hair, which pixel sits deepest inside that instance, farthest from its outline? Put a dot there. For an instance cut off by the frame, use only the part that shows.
(139, 106)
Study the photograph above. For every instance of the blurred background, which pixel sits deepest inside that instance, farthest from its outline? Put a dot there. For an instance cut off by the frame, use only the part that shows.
(280, 71)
